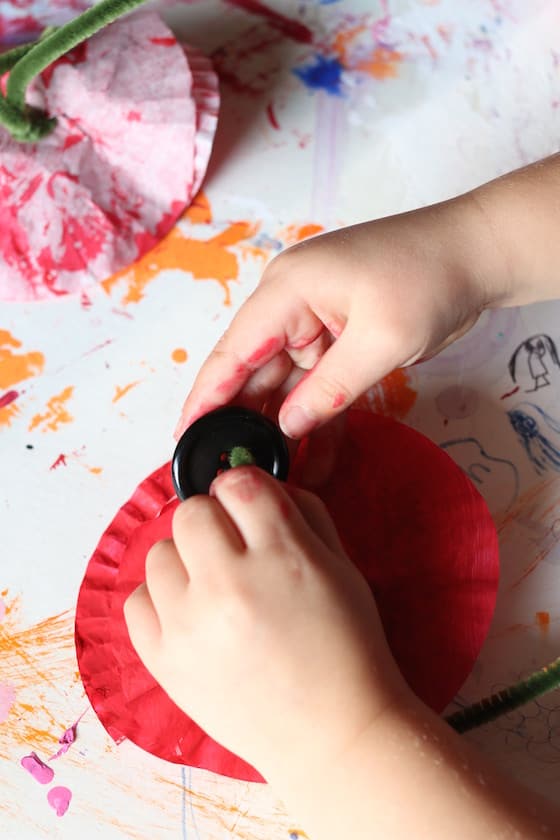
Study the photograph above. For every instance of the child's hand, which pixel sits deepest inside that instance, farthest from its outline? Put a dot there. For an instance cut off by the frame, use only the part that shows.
(258, 626)
(353, 305)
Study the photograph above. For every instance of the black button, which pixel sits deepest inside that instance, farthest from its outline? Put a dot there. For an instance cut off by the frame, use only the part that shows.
(205, 447)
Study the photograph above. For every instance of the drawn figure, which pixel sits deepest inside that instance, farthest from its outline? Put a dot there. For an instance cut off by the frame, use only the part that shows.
(531, 358)
(496, 478)
(539, 434)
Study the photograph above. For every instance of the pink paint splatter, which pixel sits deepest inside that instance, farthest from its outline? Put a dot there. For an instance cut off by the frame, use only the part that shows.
(40, 771)
(7, 697)
(59, 799)
(339, 400)
(8, 398)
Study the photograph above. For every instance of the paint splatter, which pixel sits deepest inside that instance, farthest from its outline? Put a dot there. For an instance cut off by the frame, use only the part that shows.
(67, 738)
(292, 234)
(40, 771)
(393, 396)
(59, 799)
(179, 355)
(8, 413)
(60, 462)
(120, 392)
(8, 398)
(204, 259)
(199, 212)
(382, 64)
(324, 74)
(56, 413)
(7, 698)
(272, 117)
(290, 28)
(15, 367)
(457, 402)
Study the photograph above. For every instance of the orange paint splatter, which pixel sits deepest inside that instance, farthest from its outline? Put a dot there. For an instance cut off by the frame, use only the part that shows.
(392, 397)
(8, 413)
(543, 622)
(382, 64)
(33, 659)
(15, 367)
(199, 212)
(120, 392)
(297, 233)
(205, 259)
(179, 355)
(56, 413)
(343, 41)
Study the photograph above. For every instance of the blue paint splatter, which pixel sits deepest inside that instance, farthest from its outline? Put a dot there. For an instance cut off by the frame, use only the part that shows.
(325, 74)
(534, 433)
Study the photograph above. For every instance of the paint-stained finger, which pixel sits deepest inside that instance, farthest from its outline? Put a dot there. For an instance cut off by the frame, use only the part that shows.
(264, 326)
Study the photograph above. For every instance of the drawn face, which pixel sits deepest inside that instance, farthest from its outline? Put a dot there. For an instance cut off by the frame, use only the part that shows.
(537, 347)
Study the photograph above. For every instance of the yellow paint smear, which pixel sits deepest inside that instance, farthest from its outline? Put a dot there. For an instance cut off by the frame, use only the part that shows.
(56, 413)
(120, 392)
(15, 367)
(205, 259)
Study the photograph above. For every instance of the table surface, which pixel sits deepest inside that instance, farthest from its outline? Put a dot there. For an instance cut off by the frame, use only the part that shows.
(429, 99)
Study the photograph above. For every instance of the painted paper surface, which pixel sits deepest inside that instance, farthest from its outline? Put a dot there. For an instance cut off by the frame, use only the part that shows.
(128, 153)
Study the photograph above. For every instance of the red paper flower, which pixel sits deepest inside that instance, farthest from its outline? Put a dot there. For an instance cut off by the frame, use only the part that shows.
(128, 153)
(411, 520)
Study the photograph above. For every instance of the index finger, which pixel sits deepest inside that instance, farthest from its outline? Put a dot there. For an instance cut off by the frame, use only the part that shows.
(270, 321)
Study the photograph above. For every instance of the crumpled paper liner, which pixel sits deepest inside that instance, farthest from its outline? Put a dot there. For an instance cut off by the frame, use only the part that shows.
(128, 154)
(411, 520)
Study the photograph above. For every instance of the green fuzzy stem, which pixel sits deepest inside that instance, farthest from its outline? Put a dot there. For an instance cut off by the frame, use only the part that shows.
(26, 124)
(490, 708)
(240, 456)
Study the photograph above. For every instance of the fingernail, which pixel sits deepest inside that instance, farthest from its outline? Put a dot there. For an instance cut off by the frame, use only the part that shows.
(297, 422)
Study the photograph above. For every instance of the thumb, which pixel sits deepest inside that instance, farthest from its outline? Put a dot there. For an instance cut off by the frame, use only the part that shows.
(348, 368)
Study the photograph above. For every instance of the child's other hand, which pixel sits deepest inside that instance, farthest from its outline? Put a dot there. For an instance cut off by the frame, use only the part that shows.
(351, 305)
(257, 625)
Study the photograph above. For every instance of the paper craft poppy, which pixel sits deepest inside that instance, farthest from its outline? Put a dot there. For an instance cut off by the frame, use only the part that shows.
(410, 519)
(128, 153)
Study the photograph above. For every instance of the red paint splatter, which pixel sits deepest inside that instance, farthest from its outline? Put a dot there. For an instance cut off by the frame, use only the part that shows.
(8, 398)
(272, 117)
(134, 116)
(71, 140)
(163, 42)
(145, 241)
(265, 352)
(339, 400)
(509, 393)
(76, 56)
(290, 28)
(60, 462)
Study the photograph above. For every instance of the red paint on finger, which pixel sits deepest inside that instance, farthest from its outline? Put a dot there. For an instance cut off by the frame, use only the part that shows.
(272, 117)
(265, 352)
(234, 382)
(339, 400)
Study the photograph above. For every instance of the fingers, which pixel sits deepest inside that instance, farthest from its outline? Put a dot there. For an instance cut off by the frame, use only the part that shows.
(249, 344)
(317, 517)
(259, 505)
(322, 452)
(143, 625)
(204, 534)
(166, 577)
(348, 368)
